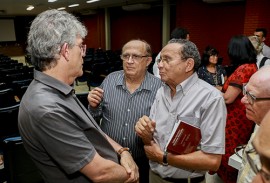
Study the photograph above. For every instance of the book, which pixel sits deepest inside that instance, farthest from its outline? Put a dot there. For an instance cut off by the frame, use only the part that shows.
(184, 138)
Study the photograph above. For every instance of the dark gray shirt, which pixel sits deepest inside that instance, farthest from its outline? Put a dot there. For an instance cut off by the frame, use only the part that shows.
(58, 132)
(120, 109)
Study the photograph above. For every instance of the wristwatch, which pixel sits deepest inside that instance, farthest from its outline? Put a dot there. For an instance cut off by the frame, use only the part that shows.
(165, 159)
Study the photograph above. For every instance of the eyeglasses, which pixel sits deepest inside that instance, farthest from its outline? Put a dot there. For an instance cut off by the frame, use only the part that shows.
(167, 60)
(255, 163)
(136, 58)
(251, 98)
(83, 48)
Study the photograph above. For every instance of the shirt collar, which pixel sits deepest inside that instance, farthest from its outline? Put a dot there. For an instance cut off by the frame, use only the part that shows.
(146, 84)
(187, 84)
(52, 82)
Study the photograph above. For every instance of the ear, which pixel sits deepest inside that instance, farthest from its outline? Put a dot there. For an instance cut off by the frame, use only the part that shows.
(65, 51)
(190, 64)
(263, 39)
(149, 60)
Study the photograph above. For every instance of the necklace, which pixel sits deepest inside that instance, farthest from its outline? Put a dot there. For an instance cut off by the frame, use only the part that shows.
(215, 79)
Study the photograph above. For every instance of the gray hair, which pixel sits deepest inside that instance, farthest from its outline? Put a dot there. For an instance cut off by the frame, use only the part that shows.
(256, 43)
(48, 32)
(189, 50)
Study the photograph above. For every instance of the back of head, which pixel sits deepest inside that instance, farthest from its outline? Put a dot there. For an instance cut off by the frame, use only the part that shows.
(48, 32)
(256, 43)
(209, 51)
(189, 50)
(241, 51)
(263, 30)
(179, 33)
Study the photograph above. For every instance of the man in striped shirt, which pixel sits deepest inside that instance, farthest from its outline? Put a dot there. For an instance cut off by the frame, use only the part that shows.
(125, 96)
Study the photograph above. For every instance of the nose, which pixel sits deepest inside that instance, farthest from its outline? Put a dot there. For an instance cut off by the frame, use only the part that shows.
(160, 64)
(130, 59)
(244, 100)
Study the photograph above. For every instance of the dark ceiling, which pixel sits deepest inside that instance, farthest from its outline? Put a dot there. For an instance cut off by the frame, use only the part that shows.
(18, 7)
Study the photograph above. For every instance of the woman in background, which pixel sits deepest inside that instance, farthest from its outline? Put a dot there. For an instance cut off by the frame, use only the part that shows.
(210, 71)
(238, 128)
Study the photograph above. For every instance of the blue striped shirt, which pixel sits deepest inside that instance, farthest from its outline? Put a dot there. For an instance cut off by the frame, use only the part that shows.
(120, 110)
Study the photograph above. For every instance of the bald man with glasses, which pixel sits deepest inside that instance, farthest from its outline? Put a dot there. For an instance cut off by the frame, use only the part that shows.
(123, 97)
(257, 102)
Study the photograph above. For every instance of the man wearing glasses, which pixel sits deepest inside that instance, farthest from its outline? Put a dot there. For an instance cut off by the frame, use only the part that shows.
(257, 102)
(123, 97)
(187, 98)
(58, 132)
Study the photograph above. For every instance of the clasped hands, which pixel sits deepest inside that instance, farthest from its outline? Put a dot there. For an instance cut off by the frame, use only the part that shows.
(132, 170)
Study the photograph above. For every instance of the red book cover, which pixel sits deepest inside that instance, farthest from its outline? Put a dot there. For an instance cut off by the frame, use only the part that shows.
(184, 138)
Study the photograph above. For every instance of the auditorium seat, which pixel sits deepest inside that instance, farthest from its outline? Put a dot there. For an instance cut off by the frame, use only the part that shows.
(18, 166)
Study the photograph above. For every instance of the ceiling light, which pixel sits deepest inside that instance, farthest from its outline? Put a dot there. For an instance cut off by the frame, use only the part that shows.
(30, 7)
(73, 5)
(62, 8)
(51, 1)
(92, 1)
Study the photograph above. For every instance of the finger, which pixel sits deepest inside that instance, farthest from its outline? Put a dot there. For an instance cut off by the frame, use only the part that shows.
(127, 167)
(97, 89)
(98, 92)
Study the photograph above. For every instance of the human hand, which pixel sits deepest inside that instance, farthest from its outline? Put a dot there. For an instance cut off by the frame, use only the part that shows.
(145, 128)
(153, 152)
(95, 96)
(132, 169)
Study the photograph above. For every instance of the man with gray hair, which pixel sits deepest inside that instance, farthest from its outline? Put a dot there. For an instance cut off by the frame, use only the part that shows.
(184, 97)
(60, 135)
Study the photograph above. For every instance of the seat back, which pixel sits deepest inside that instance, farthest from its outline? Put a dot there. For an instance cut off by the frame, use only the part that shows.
(9, 121)
(19, 167)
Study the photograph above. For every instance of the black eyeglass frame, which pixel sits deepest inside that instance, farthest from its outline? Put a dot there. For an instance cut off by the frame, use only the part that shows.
(134, 57)
(251, 98)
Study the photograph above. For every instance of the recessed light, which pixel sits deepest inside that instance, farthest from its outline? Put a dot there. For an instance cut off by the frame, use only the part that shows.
(30, 7)
(92, 1)
(51, 1)
(73, 5)
(62, 8)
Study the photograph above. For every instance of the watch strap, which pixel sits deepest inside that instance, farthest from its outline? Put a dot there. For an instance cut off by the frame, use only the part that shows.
(165, 159)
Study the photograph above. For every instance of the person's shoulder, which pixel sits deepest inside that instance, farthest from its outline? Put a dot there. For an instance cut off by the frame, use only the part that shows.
(115, 74)
(200, 68)
(153, 79)
(208, 88)
(246, 66)
(220, 66)
(266, 46)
